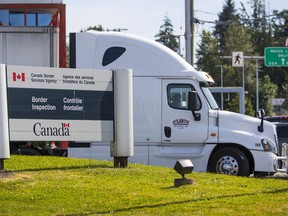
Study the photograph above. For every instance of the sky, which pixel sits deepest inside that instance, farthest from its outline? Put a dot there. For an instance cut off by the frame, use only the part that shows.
(144, 17)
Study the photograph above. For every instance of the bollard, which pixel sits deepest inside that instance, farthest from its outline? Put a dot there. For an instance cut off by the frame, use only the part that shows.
(1, 164)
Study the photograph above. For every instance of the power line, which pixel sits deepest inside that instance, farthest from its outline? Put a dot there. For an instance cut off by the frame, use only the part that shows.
(229, 22)
(206, 12)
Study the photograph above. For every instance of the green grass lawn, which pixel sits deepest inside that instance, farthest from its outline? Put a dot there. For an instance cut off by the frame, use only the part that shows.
(66, 186)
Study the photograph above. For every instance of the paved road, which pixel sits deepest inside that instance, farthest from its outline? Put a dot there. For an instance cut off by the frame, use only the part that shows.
(280, 176)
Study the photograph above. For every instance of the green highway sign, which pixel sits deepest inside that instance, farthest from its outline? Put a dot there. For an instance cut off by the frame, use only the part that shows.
(276, 56)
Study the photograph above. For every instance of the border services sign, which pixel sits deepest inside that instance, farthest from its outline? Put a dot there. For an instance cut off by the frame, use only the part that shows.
(54, 104)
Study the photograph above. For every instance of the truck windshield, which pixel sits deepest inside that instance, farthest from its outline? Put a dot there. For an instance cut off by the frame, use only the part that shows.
(211, 100)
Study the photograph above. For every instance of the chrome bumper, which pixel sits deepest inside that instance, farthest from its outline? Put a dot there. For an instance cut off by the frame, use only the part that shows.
(284, 160)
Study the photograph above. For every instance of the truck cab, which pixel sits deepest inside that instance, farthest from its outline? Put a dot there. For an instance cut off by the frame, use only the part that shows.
(175, 114)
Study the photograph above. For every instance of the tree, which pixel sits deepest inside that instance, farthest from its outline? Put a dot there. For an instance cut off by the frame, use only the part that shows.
(95, 28)
(250, 32)
(280, 27)
(233, 105)
(268, 31)
(100, 28)
(279, 75)
(227, 17)
(258, 25)
(237, 38)
(166, 35)
(207, 53)
(267, 92)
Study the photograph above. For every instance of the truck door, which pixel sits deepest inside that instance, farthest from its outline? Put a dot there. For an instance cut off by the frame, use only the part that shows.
(178, 123)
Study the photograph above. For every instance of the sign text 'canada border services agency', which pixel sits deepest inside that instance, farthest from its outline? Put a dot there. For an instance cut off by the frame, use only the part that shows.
(54, 104)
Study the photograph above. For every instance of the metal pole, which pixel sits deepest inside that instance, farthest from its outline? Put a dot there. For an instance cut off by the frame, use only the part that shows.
(187, 31)
(192, 30)
(243, 84)
(222, 97)
(222, 103)
(242, 105)
(257, 90)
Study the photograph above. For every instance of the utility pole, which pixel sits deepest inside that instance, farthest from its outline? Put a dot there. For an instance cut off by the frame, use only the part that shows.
(189, 26)
(192, 30)
(187, 31)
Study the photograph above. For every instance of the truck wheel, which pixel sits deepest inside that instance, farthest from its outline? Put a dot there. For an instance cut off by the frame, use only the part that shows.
(229, 161)
(26, 151)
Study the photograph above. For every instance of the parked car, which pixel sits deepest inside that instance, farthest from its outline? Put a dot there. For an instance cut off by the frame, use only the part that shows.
(281, 123)
(277, 119)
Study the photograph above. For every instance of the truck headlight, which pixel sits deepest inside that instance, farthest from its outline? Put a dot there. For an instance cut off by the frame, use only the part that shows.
(268, 145)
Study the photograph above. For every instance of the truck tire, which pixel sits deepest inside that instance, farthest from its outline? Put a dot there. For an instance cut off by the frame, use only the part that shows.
(229, 161)
(26, 151)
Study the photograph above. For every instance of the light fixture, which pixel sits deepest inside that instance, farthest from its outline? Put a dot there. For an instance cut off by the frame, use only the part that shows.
(183, 167)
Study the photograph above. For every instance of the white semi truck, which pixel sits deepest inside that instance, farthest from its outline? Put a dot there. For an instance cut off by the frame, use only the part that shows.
(175, 114)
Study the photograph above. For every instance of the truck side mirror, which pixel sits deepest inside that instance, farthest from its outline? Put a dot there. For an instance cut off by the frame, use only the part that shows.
(192, 104)
(261, 114)
(192, 100)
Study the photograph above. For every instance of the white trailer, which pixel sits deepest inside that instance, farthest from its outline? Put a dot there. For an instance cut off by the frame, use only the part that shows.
(175, 114)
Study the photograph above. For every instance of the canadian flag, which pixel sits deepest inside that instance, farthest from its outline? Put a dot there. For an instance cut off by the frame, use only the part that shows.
(18, 76)
(66, 125)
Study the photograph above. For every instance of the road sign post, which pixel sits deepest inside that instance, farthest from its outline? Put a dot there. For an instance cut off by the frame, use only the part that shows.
(238, 61)
(276, 56)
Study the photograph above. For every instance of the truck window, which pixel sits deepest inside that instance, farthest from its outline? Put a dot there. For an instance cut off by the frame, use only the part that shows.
(111, 54)
(177, 95)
